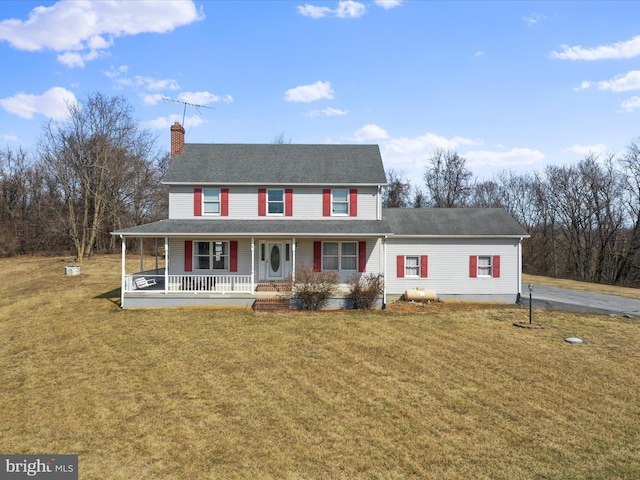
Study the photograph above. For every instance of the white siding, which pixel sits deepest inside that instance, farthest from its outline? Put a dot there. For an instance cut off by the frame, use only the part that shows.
(448, 266)
(243, 203)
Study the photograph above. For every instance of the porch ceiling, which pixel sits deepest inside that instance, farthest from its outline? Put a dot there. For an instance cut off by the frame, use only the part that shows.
(262, 227)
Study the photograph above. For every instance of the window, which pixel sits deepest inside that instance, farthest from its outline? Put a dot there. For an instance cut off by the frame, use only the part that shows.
(211, 201)
(340, 202)
(484, 266)
(412, 266)
(275, 202)
(340, 256)
(211, 255)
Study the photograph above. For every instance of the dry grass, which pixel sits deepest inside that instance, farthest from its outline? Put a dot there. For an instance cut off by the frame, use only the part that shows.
(443, 393)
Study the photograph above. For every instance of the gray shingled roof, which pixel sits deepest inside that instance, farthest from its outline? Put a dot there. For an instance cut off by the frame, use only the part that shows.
(472, 222)
(277, 164)
(268, 227)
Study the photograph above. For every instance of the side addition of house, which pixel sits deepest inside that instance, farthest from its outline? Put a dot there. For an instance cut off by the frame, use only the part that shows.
(242, 216)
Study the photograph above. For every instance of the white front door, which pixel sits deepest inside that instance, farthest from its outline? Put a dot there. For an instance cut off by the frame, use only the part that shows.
(275, 260)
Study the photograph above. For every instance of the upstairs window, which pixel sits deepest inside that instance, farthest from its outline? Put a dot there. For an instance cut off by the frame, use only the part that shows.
(275, 201)
(211, 201)
(340, 202)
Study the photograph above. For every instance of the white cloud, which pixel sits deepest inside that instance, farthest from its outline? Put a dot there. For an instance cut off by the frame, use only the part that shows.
(585, 150)
(371, 132)
(53, 103)
(8, 137)
(511, 158)
(114, 72)
(622, 83)
(326, 112)
(309, 93)
(419, 149)
(388, 4)
(628, 49)
(534, 18)
(583, 86)
(479, 53)
(350, 9)
(631, 104)
(345, 9)
(152, 98)
(203, 98)
(86, 28)
(164, 123)
(313, 11)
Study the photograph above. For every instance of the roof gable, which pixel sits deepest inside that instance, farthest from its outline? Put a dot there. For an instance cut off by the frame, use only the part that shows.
(277, 164)
(452, 222)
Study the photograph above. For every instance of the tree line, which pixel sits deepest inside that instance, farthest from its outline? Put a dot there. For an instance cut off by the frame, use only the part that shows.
(97, 171)
(583, 219)
(93, 173)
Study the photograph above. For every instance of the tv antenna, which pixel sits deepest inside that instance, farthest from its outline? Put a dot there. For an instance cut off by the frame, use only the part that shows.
(184, 112)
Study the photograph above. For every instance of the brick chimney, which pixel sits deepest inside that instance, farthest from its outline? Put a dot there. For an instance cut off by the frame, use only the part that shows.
(177, 139)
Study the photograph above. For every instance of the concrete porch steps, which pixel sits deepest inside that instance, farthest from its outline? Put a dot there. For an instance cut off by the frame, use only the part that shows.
(272, 304)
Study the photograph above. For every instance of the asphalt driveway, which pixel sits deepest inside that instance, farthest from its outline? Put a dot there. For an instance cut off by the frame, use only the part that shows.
(564, 299)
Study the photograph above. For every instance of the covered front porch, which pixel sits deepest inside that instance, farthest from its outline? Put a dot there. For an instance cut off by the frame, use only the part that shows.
(221, 263)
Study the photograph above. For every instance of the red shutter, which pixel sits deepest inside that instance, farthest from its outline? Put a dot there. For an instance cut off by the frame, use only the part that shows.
(473, 266)
(233, 256)
(224, 202)
(197, 202)
(424, 266)
(262, 202)
(326, 202)
(288, 202)
(496, 266)
(362, 256)
(400, 266)
(353, 202)
(188, 256)
(317, 256)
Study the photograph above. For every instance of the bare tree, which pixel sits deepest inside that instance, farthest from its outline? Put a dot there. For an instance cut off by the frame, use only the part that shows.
(447, 179)
(397, 193)
(94, 160)
(281, 139)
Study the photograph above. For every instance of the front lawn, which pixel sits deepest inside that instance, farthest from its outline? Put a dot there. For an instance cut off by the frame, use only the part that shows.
(442, 391)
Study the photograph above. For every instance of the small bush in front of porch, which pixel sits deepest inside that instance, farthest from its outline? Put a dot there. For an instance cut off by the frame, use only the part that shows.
(312, 290)
(364, 290)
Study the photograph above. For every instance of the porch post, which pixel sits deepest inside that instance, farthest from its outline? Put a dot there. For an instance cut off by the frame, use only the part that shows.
(141, 256)
(384, 272)
(293, 259)
(253, 261)
(166, 264)
(123, 270)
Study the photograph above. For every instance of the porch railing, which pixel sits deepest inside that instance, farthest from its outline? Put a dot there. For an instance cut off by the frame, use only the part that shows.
(140, 282)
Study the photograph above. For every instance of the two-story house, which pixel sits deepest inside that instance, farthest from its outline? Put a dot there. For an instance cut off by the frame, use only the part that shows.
(246, 215)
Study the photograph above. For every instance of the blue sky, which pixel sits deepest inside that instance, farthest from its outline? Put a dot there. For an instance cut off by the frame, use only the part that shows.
(509, 85)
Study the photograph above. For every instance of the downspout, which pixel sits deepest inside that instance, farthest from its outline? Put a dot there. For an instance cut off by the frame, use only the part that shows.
(519, 270)
(123, 270)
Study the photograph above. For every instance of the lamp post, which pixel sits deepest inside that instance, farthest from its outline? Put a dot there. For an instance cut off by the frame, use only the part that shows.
(530, 294)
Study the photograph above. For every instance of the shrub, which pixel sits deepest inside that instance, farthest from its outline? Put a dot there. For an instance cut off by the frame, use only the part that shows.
(312, 290)
(365, 289)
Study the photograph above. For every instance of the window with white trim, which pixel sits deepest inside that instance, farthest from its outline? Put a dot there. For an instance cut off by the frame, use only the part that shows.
(484, 266)
(411, 266)
(340, 256)
(340, 202)
(275, 201)
(213, 255)
(211, 201)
